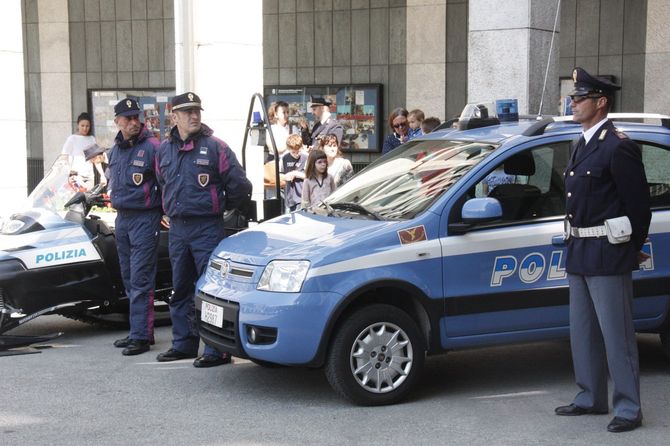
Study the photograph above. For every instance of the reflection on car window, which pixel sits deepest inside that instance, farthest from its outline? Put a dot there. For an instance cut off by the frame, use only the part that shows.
(404, 184)
(657, 167)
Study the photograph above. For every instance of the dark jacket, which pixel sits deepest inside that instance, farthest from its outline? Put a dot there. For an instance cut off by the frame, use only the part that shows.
(606, 179)
(330, 126)
(201, 176)
(132, 179)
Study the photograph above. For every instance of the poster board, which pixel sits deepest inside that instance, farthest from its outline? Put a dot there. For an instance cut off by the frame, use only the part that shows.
(154, 105)
(357, 107)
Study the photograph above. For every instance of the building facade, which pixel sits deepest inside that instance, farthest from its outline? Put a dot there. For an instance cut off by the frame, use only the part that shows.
(435, 55)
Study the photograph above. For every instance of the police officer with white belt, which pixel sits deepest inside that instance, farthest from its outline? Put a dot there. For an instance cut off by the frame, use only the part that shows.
(608, 215)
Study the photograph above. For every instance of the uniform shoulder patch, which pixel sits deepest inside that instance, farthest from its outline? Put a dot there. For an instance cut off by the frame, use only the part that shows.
(620, 134)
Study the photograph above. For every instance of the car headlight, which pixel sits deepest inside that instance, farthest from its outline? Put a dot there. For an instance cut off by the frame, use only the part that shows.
(12, 226)
(285, 276)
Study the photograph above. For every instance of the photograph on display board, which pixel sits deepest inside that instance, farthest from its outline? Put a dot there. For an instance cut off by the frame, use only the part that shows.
(154, 105)
(356, 107)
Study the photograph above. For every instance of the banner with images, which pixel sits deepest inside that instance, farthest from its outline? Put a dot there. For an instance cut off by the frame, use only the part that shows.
(357, 107)
(154, 105)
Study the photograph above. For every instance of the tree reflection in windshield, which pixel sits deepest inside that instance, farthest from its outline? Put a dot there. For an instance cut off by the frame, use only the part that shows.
(409, 181)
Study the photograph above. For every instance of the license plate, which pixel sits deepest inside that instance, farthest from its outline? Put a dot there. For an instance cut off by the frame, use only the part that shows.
(212, 314)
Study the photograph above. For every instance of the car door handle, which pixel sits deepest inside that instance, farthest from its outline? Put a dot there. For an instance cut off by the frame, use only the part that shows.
(558, 240)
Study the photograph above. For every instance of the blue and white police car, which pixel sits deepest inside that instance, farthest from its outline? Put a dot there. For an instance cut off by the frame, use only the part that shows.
(451, 241)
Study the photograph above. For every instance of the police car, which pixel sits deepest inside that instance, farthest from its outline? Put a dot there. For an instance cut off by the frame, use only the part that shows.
(451, 241)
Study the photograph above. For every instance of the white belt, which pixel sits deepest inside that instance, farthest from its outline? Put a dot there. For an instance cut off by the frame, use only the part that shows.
(593, 231)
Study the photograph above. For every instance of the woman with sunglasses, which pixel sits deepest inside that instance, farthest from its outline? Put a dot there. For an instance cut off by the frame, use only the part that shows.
(399, 126)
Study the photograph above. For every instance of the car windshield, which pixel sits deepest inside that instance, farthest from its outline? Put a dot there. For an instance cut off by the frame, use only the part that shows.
(54, 190)
(402, 185)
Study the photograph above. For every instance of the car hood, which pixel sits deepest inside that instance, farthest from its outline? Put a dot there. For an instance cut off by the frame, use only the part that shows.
(299, 236)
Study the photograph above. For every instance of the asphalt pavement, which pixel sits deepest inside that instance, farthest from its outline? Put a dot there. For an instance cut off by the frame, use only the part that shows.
(81, 390)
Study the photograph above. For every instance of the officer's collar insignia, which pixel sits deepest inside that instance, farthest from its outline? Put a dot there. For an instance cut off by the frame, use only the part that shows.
(203, 179)
(574, 75)
(412, 235)
(128, 103)
(203, 150)
(602, 135)
(190, 97)
(137, 178)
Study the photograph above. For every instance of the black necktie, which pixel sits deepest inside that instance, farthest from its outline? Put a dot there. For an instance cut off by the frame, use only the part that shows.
(580, 145)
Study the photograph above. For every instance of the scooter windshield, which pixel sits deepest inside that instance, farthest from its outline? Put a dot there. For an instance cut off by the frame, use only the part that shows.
(55, 189)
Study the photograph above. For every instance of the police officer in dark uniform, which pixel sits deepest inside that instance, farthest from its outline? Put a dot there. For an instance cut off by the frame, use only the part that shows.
(136, 198)
(200, 178)
(325, 124)
(605, 179)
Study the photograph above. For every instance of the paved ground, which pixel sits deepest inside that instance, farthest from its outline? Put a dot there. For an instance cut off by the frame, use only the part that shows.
(82, 391)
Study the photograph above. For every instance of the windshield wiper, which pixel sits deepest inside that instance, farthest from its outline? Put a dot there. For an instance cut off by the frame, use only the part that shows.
(355, 207)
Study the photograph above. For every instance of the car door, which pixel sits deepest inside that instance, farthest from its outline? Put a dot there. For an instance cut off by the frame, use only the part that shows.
(504, 281)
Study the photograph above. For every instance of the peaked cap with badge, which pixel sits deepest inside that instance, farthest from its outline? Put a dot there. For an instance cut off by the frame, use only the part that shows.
(186, 101)
(585, 84)
(127, 107)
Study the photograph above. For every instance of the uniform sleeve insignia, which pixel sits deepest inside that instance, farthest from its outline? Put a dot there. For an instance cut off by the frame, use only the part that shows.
(202, 162)
(203, 179)
(140, 153)
(412, 235)
(138, 178)
(602, 136)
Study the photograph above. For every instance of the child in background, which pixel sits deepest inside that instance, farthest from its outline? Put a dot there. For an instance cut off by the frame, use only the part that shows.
(414, 119)
(318, 183)
(292, 171)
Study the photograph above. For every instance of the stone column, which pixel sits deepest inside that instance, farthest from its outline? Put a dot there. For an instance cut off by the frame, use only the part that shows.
(13, 170)
(508, 50)
(56, 89)
(219, 55)
(657, 57)
(426, 56)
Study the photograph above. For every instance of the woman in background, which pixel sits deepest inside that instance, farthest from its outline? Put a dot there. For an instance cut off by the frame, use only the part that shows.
(74, 147)
(399, 127)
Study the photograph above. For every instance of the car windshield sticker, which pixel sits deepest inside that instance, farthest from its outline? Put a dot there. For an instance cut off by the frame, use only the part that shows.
(412, 235)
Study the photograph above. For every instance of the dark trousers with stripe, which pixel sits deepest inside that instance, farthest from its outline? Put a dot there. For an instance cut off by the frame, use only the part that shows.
(191, 243)
(137, 234)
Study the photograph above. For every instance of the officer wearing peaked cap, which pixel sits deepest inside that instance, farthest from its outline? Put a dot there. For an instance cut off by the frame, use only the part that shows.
(200, 178)
(604, 180)
(136, 198)
(325, 124)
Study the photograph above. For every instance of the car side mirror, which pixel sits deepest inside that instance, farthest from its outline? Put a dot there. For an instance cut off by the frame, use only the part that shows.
(477, 210)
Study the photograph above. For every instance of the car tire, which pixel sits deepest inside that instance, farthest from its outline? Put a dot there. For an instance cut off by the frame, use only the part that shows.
(665, 342)
(375, 356)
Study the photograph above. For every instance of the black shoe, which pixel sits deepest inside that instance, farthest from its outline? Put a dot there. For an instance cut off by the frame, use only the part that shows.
(212, 360)
(573, 410)
(619, 424)
(135, 347)
(123, 343)
(174, 355)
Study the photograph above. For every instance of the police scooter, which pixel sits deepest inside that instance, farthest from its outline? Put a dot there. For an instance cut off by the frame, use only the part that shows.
(55, 257)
